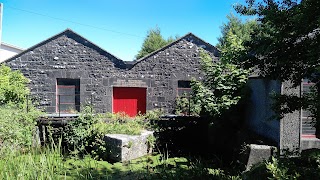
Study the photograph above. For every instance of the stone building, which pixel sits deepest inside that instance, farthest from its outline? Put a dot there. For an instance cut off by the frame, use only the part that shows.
(67, 71)
(69, 68)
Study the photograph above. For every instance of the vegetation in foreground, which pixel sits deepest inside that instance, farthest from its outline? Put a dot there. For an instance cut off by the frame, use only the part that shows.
(48, 163)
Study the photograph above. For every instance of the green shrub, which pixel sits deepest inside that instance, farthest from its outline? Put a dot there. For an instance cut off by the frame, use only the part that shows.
(186, 106)
(153, 114)
(85, 134)
(17, 126)
(80, 135)
(222, 87)
(306, 166)
(13, 86)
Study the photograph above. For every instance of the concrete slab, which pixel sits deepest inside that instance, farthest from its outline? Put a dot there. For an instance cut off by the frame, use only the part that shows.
(124, 147)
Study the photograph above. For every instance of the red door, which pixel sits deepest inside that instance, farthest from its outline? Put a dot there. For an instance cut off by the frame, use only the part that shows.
(129, 100)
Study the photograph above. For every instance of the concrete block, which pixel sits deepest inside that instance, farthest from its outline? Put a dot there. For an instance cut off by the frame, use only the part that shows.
(258, 153)
(310, 143)
(124, 147)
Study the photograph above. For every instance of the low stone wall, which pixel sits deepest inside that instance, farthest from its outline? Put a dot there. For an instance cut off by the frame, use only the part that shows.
(124, 147)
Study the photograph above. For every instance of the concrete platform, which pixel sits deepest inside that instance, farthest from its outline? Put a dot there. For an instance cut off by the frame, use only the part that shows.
(124, 147)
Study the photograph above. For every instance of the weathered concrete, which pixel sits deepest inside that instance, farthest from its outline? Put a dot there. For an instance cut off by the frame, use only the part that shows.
(258, 153)
(122, 147)
(290, 124)
(309, 143)
(259, 113)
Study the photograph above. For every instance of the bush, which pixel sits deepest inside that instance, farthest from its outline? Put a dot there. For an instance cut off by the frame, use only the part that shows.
(186, 106)
(306, 166)
(13, 86)
(223, 86)
(17, 126)
(85, 134)
(80, 135)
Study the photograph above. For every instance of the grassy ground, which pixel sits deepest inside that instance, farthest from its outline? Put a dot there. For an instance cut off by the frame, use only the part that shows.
(149, 167)
(50, 164)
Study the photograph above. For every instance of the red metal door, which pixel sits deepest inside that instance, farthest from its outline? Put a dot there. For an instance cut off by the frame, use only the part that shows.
(129, 100)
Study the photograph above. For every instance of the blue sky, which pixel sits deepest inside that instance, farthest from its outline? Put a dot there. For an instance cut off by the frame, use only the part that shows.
(118, 26)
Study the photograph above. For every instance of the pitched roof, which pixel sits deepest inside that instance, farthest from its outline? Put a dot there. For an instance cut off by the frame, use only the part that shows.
(117, 61)
(208, 46)
(71, 34)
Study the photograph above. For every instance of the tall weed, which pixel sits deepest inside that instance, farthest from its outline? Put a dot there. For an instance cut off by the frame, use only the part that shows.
(32, 163)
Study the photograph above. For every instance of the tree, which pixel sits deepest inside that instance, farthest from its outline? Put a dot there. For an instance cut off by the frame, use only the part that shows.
(224, 81)
(153, 42)
(234, 34)
(286, 46)
(221, 88)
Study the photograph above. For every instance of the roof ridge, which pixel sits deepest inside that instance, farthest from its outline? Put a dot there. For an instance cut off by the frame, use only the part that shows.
(35, 46)
(68, 30)
(170, 44)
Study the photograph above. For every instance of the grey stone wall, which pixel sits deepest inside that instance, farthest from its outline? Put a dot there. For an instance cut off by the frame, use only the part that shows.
(259, 113)
(179, 61)
(68, 55)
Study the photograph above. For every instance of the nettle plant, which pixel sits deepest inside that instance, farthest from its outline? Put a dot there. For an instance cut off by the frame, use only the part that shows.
(223, 86)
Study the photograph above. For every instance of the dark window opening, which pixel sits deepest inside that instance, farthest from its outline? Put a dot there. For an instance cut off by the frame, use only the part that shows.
(184, 88)
(68, 95)
(184, 84)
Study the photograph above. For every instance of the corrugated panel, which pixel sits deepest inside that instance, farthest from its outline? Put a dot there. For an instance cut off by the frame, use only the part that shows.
(129, 100)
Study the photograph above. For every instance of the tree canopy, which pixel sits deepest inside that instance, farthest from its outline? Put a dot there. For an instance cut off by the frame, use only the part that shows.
(286, 46)
(224, 81)
(234, 34)
(153, 41)
(221, 88)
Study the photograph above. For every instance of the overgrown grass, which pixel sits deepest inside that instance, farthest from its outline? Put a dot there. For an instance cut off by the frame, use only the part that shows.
(31, 163)
(48, 163)
(120, 124)
(149, 167)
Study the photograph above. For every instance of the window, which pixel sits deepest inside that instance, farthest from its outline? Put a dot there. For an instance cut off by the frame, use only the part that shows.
(68, 95)
(184, 88)
(307, 125)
